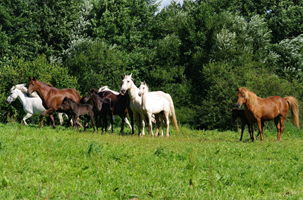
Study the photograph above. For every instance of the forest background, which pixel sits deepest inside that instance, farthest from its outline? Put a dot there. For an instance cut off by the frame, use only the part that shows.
(199, 52)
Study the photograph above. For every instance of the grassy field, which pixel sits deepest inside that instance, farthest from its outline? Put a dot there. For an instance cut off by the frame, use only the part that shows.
(46, 163)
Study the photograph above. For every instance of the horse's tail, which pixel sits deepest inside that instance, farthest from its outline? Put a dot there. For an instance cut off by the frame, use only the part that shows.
(172, 111)
(294, 108)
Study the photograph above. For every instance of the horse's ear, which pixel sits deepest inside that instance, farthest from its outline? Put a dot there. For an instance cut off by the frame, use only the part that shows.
(34, 78)
(29, 77)
(123, 76)
(238, 89)
(144, 83)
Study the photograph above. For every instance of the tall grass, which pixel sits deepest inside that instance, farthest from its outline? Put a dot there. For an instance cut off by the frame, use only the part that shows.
(60, 163)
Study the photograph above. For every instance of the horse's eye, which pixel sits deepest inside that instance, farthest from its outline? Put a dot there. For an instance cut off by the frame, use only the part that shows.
(33, 84)
(243, 96)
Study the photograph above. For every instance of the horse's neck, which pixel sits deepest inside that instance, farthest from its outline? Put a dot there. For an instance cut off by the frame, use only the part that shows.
(73, 106)
(144, 98)
(96, 101)
(21, 96)
(42, 90)
(134, 93)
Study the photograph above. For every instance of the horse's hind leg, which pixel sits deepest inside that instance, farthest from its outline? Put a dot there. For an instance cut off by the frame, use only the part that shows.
(110, 126)
(252, 132)
(60, 117)
(167, 123)
(122, 124)
(279, 122)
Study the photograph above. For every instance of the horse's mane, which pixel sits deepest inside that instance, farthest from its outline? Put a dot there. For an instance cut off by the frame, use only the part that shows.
(101, 89)
(106, 88)
(24, 90)
(251, 97)
(69, 99)
(146, 86)
(94, 91)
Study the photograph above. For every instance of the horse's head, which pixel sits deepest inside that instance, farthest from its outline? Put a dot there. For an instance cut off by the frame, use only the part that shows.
(127, 82)
(89, 96)
(65, 103)
(143, 88)
(13, 95)
(241, 97)
(32, 86)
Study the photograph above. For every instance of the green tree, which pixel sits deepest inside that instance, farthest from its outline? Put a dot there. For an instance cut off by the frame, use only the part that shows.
(96, 64)
(123, 22)
(36, 27)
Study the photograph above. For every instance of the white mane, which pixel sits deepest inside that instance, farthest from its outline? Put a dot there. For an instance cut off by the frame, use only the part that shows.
(24, 90)
(106, 88)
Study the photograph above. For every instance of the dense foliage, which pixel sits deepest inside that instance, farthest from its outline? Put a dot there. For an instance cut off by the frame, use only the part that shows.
(199, 52)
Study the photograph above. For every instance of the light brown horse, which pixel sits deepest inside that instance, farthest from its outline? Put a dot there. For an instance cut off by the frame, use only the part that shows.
(265, 109)
(51, 97)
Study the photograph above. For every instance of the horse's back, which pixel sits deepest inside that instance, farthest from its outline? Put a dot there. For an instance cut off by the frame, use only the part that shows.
(271, 107)
(55, 96)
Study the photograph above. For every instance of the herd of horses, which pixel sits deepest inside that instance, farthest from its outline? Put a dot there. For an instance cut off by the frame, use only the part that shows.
(139, 103)
(44, 99)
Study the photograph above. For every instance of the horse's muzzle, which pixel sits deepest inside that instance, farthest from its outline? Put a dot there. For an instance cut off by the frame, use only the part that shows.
(139, 94)
(239, 105)
(28, 94)
(122, 91)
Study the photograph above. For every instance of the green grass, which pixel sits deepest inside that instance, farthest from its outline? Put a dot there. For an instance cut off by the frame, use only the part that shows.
(46, 163)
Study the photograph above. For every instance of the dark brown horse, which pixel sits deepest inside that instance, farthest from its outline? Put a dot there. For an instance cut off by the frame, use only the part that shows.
(240, 113)
(79, 110)
(101, 107)
(265, 109)
(51, 97)
(121, 106)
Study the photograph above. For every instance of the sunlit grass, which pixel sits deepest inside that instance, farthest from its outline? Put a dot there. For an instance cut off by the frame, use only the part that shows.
(61, 163)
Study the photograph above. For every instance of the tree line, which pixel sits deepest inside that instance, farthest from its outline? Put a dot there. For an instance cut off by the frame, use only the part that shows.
(199, 52)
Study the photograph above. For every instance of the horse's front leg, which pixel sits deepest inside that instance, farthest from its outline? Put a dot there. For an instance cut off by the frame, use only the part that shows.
(110, 126)
(131, 116)
(111, 121)
(150, 125)
(242, 130)
(28, 115)
(49, 111)
(122, 124)
(74, 122)
(143, 123)
(92, 119)
(260, 129)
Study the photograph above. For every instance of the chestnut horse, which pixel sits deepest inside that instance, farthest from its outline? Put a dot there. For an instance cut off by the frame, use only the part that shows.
(265, 109)
(51, 97)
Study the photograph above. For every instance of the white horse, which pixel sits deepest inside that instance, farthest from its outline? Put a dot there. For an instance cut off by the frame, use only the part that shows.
(135, 100)
(106, 88)
(161, 105)
(31, 105)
